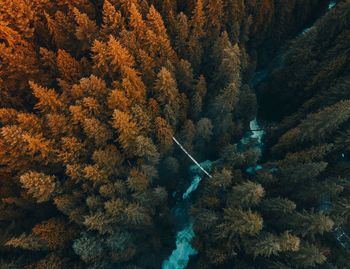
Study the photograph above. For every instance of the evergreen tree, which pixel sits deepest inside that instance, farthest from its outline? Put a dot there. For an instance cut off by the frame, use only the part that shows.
(39, 185)
(239, 222)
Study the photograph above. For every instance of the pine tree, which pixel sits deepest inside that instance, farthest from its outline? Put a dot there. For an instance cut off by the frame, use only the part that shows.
(126, 127)
(51, 261)
(269, 244)
(30, 123)
(204, 130)
(185, 77)
(61, 27)
(112, 19)
(137, 181)
(49, 100)
(96, 130)
(222, 106)
(137, 215)
(8, 116)
(39, 185)
(57, 124)
(115, 208)
(197, 34)
(109, 159)
(27, 242)
(38, 147)
(95, 174)
(138, 25)
(235, 16)
(12, 144)
(111, 57)
(246, 194)
(239, 222)
(21, 15)
(92, 86)
(144, 148)
(215, 16)
(89, 247)
(99, 221)
(280, 206)
(164, 133)
(72, 150)
(53, 232)
(147, 65)
(18, 65)
(86, 30)
(229, 68)
(222, 178)
(167, 95)
(317, 126)
(311, 224)
(309, 256)
(68, 67)
(197, 101)
(182, 33)
(118, 100)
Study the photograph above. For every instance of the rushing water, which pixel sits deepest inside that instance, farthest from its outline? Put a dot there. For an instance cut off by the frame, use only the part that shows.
(332, 4)
(180, 256)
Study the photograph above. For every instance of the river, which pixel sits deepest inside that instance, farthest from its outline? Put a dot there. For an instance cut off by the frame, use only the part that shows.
(180, 256)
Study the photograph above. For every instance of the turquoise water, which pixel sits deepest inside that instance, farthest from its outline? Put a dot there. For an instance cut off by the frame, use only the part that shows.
(180, 256)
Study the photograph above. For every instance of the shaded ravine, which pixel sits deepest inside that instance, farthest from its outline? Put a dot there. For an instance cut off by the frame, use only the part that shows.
(325, 204)
(278, 60)
(180, 256)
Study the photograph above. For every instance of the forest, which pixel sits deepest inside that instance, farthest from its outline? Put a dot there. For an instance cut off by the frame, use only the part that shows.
(102, 102)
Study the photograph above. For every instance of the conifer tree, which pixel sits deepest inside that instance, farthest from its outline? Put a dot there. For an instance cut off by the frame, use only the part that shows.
(39, 185)
(317, 126)
(127, 129)
(246, 194)
(312, 223)
(69, 68)
(215, 16)
(86, 30)
(27, 242)
(49, 100)
(309, 256)
(182, 34)
(167, 95)
(270, 244)
(197, 33)
(239, 222)
(112, 19)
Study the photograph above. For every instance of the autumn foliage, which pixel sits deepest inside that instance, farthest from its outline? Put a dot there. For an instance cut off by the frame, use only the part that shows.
(91, 94)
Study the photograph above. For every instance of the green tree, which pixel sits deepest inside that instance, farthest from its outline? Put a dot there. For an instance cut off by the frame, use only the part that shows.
(311, 224)
(269, 244)
(309, 256)
(239, 222)
(246, 194)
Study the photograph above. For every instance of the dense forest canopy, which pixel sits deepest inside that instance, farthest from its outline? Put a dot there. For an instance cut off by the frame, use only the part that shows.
(93, 92)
